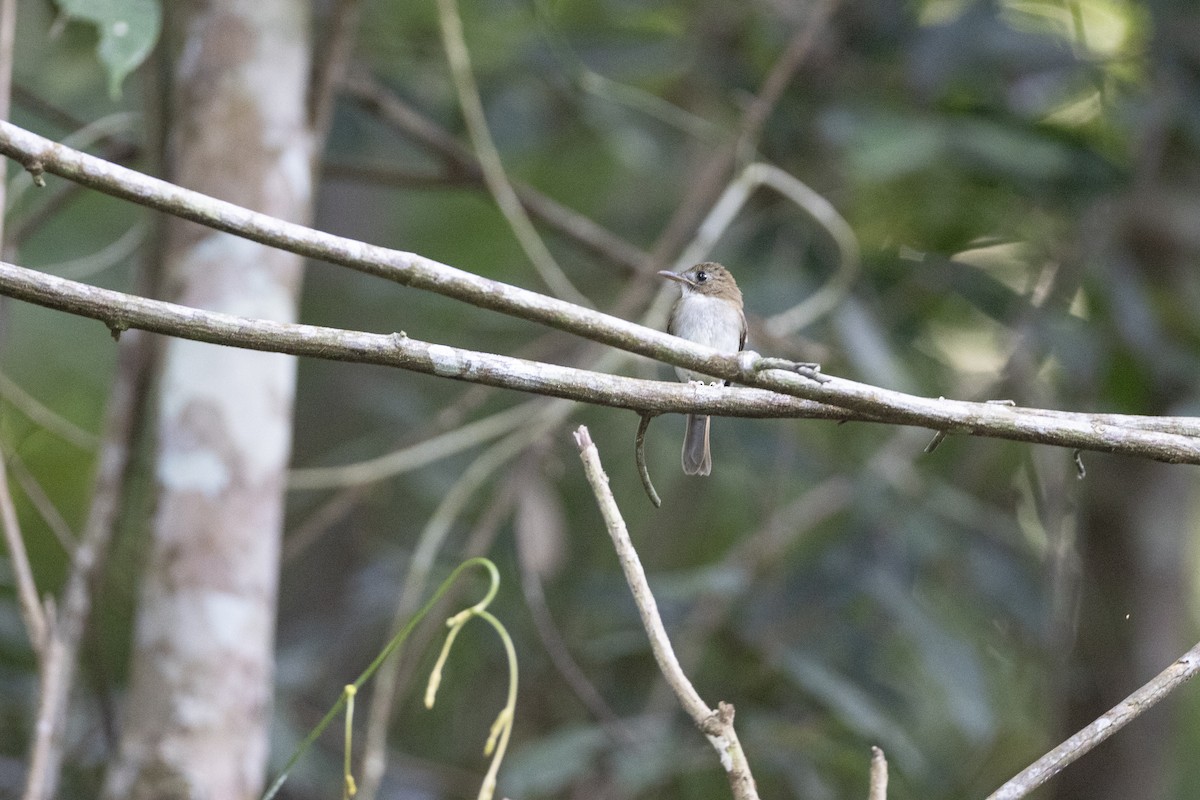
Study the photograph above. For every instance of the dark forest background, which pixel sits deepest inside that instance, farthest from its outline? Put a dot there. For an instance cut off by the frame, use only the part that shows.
(1024, 183)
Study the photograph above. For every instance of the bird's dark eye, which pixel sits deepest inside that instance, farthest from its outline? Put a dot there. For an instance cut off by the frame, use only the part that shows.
(701, 276)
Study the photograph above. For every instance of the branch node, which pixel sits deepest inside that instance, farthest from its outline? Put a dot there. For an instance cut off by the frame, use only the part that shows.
(37, 171)
(806, 369)
(116, 326)
(718, 723)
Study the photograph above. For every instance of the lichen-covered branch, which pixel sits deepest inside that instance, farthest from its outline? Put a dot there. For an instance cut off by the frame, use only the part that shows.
(1172, 439)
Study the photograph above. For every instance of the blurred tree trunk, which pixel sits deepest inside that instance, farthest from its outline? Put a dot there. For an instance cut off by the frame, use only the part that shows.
(1132, 539)
(1138, 515)
(201, 678)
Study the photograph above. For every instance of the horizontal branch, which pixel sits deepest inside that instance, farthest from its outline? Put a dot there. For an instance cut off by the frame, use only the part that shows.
(1180, 444)
(120, 311)
(1174, 439)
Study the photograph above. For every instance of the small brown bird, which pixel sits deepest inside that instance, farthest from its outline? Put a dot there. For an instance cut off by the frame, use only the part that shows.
(708, 312)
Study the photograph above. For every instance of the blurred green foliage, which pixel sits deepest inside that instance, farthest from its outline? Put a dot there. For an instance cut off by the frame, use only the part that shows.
(1022, 179)
(127, 31)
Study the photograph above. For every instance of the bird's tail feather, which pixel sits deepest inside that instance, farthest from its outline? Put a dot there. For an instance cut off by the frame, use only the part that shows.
(697, 460)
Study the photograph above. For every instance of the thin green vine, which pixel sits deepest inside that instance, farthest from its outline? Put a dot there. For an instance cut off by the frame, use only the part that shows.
(501, 728)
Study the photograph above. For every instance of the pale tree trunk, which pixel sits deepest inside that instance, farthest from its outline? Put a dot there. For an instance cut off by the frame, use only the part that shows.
(195, 722)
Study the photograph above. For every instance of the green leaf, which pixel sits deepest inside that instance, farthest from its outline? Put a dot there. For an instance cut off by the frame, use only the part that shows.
(128, 30)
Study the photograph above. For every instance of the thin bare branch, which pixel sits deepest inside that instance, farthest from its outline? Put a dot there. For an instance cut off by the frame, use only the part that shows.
(1105, 726)
(717, 724)
(31, 607)
(413, 457)
(489, 158)
(33, 408)
(427, 133)
(121, 311)
(719, 166)
(330, 65)
(113, 459)
(41, 501)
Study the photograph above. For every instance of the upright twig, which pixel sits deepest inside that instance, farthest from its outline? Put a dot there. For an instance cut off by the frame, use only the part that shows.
(1103, 727)
(32, 612)
(489, 158)
(62, 653)
(879, 775)
(329, 67)
(719, 166)
(716, 724)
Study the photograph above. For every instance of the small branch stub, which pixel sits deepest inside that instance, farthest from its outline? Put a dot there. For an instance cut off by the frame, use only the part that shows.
(37, 171)
(879, 775)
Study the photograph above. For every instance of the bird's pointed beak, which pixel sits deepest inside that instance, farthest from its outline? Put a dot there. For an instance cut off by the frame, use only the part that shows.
(674, 276)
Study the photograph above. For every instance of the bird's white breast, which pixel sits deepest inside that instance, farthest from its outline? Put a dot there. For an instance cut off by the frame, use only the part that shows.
(709, 321)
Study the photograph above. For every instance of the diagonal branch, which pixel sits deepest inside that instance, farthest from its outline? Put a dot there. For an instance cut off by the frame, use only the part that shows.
(113, 458)
(719, 166)
(716, 724)
(36, 623)
(1120, 715)
(393, 111)
(40, 155)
